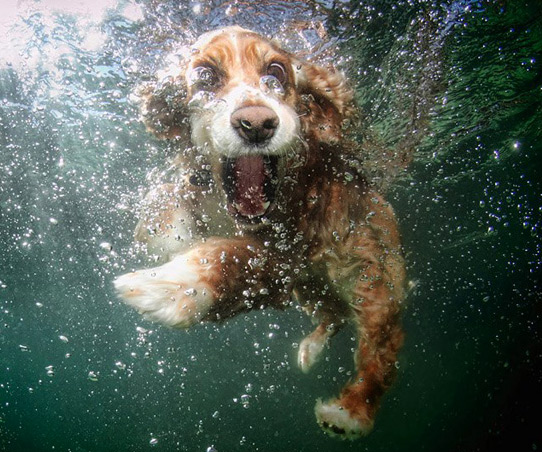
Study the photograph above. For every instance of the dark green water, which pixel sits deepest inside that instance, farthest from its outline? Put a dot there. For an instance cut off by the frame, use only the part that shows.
(76, 373)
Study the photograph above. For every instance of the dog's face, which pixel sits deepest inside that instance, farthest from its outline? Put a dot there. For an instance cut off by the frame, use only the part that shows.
(241, 93)
(250, 106)
(242, 98)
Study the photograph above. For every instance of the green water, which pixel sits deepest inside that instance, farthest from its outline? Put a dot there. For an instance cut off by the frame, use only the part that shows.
(79, 371)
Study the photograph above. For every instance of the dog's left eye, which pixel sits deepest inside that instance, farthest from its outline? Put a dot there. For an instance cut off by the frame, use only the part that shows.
(204, 77)
(278, 71)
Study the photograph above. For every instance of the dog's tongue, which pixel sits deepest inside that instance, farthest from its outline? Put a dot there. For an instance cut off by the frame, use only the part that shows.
(249, 198)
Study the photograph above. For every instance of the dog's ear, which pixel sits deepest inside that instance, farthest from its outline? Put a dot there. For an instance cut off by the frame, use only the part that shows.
(163, 105)
(327, 101)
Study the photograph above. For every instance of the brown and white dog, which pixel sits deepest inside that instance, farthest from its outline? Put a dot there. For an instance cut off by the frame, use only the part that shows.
(266, 208)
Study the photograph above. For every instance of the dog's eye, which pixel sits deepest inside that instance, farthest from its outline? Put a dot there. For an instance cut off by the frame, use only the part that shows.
(278, 71)
(204, 76)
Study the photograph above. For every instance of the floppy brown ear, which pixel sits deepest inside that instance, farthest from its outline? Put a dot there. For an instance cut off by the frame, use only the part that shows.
(327, 101)
(163, 106)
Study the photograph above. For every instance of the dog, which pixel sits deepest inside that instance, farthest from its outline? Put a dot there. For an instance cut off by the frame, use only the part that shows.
(266, 210)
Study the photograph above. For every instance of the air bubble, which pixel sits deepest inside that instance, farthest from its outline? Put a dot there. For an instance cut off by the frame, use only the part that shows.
(92, 376)
(245, 400)
(106, 246)
(270, 84)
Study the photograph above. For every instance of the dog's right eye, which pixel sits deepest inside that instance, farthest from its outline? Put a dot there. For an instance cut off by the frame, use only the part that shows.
(204, 77)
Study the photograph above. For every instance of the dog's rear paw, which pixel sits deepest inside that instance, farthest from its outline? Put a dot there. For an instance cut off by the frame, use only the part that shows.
(171, 294)
(338, 422)
(310, 350)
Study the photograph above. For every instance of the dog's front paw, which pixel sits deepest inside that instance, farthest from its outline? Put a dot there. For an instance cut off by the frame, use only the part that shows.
(338, 422)
(172, 294)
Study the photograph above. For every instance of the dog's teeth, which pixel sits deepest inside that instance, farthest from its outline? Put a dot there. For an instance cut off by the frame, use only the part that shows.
(266, 205)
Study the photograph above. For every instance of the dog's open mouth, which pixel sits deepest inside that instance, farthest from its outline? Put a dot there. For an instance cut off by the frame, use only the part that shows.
(250, 183)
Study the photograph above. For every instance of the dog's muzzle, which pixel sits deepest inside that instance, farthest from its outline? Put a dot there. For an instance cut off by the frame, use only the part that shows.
(255, 124)
(250, 180)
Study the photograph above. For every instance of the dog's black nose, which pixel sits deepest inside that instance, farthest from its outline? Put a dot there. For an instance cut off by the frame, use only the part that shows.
(255, 124)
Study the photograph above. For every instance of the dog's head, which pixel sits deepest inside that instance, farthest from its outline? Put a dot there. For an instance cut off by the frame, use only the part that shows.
(249, 105)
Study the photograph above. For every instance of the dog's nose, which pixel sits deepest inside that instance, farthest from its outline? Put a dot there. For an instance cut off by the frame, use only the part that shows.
(255, 124)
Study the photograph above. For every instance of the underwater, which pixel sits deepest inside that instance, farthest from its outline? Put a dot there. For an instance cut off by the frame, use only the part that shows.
(451, 100)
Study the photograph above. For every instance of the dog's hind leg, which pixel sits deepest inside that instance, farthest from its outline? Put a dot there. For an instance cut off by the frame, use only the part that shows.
(319, 300)
(312, 346)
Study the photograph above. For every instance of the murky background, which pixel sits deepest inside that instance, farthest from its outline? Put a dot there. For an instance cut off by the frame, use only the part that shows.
(79, 371)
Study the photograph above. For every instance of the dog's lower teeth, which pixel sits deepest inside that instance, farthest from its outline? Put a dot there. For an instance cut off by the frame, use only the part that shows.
(265, 205)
